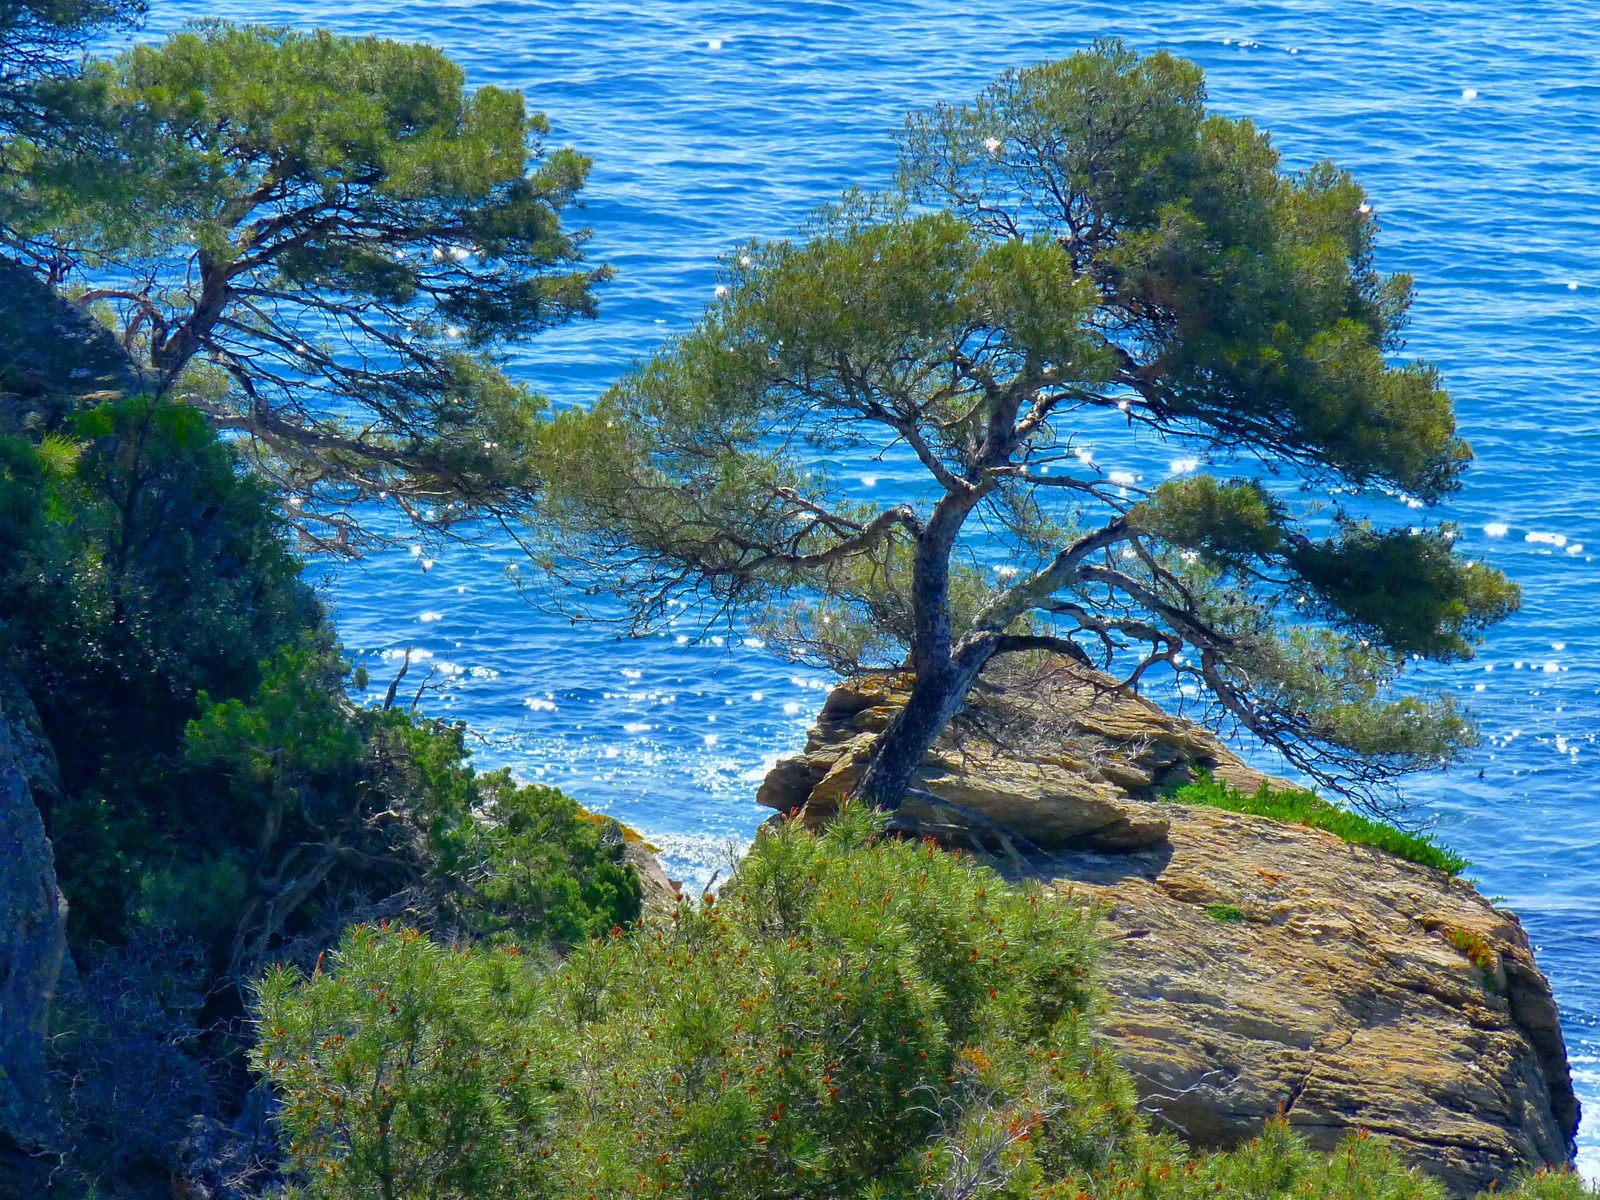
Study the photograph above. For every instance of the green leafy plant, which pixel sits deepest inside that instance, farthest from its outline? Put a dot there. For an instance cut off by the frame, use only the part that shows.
(805, 1033)
(1554, 1185)
(1475, 948)
(411, 1071)
(139, 569)
(1225, 914)
(1307, 808)
(852, 1016)
(220, 790)
(340, 811)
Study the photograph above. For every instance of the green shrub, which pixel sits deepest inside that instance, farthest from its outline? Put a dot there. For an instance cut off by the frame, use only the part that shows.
(220, 790)
(1554, 1185)
(850, 1018)
(406, 1069)
(831, 1024)
(837, 1023)
(353, 812)
(138, 568)
(1307, 808)
(542, 870)
(1226, 914)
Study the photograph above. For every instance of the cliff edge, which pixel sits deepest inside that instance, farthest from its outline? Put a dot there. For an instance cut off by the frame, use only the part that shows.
(50, 346)
(1251, 966)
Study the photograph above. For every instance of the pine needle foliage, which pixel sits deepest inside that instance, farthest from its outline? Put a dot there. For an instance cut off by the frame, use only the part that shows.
(1082, 250)
(323, 243)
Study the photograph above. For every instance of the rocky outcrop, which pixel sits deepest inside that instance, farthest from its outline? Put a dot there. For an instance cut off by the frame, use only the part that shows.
(50, 346)
(1054, 756)
(1255, 967)
(32, 934)
(660, 893)
(1251, 967)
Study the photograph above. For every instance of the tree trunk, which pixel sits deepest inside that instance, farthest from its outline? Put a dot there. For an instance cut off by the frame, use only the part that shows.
(943, 672)
(936, 697)
(172, 354)
(900, 748)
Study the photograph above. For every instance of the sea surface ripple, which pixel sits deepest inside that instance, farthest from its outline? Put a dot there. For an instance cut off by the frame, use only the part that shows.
(1473, 127)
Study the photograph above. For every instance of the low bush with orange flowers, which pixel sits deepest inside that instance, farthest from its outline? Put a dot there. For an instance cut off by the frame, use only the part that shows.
(852, 1016)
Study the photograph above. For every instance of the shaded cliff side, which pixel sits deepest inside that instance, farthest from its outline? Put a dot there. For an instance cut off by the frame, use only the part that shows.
(50, 350)
(52, 347)
(1250, 965)
(33, 943)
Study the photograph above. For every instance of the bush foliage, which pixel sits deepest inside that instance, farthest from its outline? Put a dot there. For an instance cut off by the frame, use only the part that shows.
(138, 568)
(343, 813)
(851, 1017)
(220, 791)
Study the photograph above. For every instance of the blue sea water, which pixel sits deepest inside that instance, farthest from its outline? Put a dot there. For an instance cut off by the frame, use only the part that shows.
(1473, 126)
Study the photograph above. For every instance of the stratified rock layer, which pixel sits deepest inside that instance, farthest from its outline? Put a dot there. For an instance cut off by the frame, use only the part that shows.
(1251, 966)
(1056, 756)
(1255, 967)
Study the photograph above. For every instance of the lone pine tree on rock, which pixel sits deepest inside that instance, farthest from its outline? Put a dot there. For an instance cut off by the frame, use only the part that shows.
(1085, 242)
(320, 241)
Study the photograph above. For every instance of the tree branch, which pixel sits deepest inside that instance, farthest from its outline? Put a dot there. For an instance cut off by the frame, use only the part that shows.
(1016, 600)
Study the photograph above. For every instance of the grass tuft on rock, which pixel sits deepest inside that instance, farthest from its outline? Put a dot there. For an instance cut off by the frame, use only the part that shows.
(1307, 808)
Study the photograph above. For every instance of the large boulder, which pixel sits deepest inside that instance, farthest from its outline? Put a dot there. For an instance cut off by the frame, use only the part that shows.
(33, 942)
(1251, 967)
(1254, 967)
(1052, 755)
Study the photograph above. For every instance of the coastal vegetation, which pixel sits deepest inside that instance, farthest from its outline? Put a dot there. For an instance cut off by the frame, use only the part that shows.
(314, 952)
(222, 803)
(319, 242)
(850, 1016)
(41, 43)
(1083, 248)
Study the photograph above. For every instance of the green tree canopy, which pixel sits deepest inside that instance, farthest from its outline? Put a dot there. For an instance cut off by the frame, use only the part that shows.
(320, 241)
(41, 43)
(1083, 244)
(41, 40)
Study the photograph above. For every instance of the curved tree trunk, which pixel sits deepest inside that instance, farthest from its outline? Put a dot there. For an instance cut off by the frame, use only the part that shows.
(944, 672)
(936, 697)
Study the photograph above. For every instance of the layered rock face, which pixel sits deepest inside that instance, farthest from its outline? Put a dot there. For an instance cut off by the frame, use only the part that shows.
(1250, 966)
(1052, 755)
